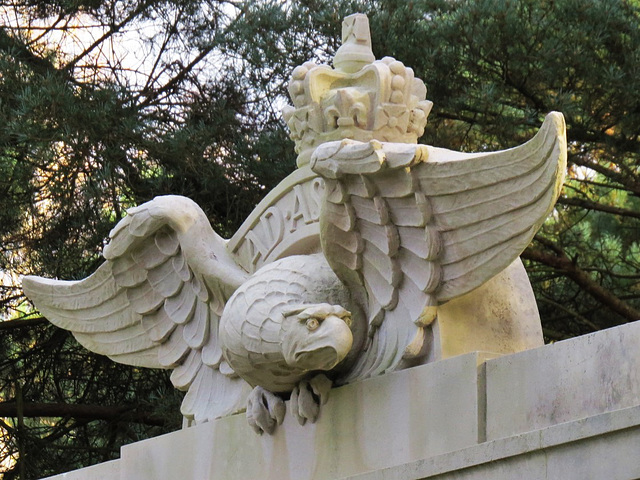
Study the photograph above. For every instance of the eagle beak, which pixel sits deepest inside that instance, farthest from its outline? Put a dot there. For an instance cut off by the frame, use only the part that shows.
(327, 346)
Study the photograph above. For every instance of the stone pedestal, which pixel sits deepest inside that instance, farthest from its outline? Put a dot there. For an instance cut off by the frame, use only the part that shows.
(570, 410)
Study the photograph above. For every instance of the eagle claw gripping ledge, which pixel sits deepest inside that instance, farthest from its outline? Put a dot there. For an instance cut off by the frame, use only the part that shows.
(344, 271)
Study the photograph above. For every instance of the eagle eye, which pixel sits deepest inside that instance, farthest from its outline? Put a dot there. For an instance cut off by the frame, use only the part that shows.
(312, 323)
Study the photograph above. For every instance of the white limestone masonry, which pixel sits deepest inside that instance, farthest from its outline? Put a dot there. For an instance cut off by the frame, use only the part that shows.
(595, 373)
(430, 422)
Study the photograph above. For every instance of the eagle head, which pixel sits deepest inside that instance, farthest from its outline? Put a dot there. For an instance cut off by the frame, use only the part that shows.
(316, 337)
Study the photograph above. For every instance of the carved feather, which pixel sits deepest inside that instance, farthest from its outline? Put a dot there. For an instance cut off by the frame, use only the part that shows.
(432, 225)
(156, 302)
(172, 351)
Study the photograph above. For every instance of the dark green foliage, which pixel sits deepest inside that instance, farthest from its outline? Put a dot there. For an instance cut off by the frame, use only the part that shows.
(48, 365)
(500, 66)
(81, 139)
(84, 135)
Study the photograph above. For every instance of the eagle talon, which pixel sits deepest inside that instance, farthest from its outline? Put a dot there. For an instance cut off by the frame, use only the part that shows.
(265, 410)
(308, 396)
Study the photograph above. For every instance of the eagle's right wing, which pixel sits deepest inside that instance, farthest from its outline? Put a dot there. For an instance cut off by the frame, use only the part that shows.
(156, 302)
(414, 226)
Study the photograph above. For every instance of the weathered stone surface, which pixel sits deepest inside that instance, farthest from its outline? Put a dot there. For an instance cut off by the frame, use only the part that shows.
(284, 223)
(429, 422)
(566, 381)
(601, 447)
(500, 316)
(364, 426)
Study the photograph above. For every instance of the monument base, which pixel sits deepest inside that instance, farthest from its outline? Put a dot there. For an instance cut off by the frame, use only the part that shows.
(570, 410)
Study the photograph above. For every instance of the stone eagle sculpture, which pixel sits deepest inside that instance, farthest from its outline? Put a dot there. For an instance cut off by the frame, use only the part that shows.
(341, 271)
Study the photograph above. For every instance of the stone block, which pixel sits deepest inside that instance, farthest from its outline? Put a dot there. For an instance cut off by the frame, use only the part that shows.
(595, 448)
(376, 423)
(566, 381)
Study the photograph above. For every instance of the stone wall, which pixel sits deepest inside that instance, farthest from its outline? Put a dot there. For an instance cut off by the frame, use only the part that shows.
(569, 410)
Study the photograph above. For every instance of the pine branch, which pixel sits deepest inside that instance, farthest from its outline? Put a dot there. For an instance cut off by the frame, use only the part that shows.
(153, 95)
(91, 412)
(109, 33)
(629, 182)
(8, 43)
(571, 312)
(580, 134)
(554, 334)
(559, 260)
(24, 323)
(590, 205)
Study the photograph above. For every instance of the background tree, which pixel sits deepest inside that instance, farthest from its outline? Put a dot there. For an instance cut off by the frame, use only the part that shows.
(494, 69)
(104, 105)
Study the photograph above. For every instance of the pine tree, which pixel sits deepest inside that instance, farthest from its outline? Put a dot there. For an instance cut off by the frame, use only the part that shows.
(104, 105)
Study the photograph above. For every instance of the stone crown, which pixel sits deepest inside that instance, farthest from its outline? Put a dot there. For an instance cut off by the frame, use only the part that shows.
(361, 99)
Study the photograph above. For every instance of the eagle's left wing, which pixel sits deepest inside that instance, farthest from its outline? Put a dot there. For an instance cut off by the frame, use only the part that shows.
(412, 226)
(156, 302)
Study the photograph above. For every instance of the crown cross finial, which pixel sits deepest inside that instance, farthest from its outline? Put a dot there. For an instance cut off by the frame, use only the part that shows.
(355, 51)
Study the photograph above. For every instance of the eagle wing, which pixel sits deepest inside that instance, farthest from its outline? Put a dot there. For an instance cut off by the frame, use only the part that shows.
(156, 302)
(412, 226)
